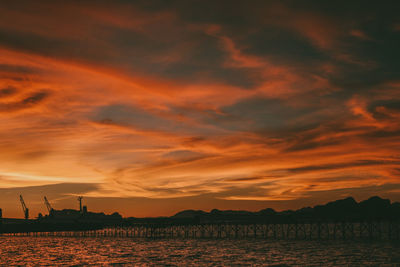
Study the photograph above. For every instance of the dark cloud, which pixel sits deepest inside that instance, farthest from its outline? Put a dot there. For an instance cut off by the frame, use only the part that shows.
(52, 189)
(247, 179)
(390, 105)
(283, 46)
(28, 102)
(146, 120)
(33, 155)
(257, 27)
(302, 145)
(8, 91)
(129, 115)
(35, 98)
(200, 54)
(264, 115)
(20, 69)
(183, 155)
(337, 166)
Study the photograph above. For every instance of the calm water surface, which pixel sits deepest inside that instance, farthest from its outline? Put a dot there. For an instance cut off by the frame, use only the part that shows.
(52, 251)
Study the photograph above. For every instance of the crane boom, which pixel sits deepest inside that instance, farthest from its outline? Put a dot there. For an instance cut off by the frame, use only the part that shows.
(24, 208)
(49, 208)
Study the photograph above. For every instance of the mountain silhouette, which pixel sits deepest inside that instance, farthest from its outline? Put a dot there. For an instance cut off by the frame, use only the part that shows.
(348, 209)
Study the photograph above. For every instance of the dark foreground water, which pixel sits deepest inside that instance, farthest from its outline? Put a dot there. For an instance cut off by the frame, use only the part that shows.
(113, 251)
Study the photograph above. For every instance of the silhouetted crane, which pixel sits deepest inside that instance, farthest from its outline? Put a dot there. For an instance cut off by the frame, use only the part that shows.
(80, 203)
(49, 208)
(24, 208)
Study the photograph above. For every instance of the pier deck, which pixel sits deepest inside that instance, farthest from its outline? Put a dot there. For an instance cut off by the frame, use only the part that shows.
(290, 231)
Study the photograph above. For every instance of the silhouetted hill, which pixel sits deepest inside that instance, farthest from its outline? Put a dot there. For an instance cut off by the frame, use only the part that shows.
(375, 207)
(190, 214)
(348, 209)
(267, 212)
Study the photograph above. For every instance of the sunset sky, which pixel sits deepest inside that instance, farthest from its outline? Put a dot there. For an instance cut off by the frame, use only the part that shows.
(151, 107)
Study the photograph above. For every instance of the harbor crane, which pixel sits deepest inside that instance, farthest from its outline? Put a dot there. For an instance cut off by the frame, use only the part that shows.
(49, 208)
(24, 208)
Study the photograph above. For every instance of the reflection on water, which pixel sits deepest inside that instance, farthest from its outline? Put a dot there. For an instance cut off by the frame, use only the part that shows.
(101, 251)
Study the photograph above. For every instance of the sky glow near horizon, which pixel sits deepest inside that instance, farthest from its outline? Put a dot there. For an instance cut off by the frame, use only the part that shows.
(150, 107)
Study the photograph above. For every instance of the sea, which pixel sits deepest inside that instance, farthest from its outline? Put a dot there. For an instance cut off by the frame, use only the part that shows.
(85, 251)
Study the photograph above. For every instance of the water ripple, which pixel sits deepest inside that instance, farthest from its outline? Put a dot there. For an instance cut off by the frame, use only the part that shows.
(50, 251)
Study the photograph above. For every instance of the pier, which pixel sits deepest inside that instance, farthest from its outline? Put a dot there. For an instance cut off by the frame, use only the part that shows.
(286, 231)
